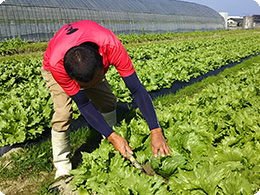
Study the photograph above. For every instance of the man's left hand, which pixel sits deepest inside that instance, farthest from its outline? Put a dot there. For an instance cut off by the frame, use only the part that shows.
(158, 143)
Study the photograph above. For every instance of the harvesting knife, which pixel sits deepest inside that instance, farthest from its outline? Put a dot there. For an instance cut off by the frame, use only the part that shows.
(132, 159)
(146, 168)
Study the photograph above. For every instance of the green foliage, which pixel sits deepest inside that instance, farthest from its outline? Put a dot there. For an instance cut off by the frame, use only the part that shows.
(152, 37)
(214, 135)
(214, 138)
(105, 171)
(11, 46)
(158, 65)
(25, 103)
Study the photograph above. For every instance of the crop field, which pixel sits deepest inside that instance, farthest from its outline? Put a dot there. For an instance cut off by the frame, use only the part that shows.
(212, 127)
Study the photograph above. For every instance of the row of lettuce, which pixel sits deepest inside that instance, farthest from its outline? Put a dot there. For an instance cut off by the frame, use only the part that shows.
(26, 107)
(18, 45)
(158, 65)
(213, 135)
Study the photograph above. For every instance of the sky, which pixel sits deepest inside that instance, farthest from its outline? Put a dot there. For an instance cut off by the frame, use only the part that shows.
(233, 7)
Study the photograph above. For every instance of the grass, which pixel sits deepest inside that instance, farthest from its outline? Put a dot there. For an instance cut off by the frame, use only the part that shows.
(28, 161)
(33, 47)
(20, 56)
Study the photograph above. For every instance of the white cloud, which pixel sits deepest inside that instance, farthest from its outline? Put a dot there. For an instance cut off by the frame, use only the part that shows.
(257, 1)
(1, 1)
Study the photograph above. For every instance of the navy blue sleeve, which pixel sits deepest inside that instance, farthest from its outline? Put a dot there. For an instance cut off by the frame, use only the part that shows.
(91, 114)
(142, 99)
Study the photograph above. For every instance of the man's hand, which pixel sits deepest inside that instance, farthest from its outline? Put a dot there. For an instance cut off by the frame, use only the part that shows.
(120, 144)
(158, 143)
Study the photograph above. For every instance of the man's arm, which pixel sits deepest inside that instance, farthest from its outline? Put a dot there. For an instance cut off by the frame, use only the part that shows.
(97, 121)
(143, 100)
(145, 104)
(91, 114)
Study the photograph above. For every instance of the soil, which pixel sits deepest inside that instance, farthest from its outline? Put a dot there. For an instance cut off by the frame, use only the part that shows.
(24, 186)
(21, 185)
(30, 185)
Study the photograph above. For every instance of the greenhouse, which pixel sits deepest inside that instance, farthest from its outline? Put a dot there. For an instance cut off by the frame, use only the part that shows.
(38, 20)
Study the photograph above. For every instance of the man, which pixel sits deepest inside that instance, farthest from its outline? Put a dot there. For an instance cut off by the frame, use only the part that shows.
(74, 65)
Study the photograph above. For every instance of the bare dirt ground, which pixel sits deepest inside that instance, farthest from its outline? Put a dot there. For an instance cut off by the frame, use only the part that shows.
(24, 186)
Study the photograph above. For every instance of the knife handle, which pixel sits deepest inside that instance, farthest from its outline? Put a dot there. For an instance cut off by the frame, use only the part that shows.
(132, 159)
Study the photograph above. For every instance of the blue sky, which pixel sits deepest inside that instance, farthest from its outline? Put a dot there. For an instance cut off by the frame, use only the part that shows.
(233, 7)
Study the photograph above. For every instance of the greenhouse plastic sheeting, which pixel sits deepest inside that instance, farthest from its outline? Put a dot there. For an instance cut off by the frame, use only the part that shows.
(38, 20)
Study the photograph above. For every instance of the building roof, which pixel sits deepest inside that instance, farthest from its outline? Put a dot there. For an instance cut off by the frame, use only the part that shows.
(171, 7)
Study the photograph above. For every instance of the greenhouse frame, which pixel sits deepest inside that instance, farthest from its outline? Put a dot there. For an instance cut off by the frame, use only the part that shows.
(38, 20)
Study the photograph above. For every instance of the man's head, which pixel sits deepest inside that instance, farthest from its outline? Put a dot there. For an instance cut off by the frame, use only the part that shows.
(84, 64)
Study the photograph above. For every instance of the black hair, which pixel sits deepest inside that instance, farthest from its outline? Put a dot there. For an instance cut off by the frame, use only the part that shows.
(83, 61)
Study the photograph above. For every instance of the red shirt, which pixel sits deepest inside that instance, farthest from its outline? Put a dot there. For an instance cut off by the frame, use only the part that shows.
(76, 33)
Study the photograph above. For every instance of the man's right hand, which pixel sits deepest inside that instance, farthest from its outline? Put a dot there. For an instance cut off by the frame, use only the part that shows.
(120, 144)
